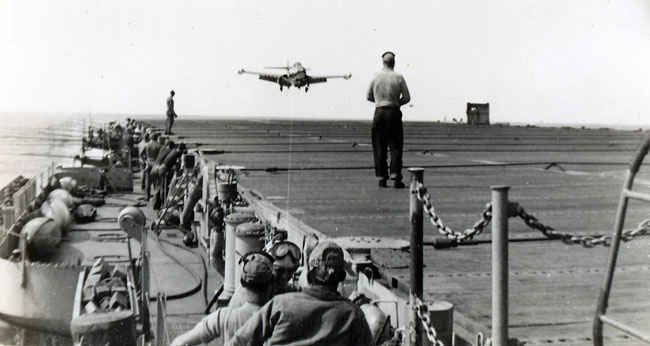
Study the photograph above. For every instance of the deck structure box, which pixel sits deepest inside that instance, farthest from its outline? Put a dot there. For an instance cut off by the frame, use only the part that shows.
(478, 113)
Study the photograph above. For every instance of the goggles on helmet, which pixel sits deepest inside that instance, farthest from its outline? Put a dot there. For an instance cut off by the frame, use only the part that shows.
(285, 248)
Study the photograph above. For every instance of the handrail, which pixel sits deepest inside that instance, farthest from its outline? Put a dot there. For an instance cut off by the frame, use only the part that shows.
(603, 299)
(636, 195)
(630, 331)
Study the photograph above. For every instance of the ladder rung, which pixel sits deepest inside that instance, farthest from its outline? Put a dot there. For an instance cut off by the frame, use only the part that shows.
(631, 331)
(637, 195)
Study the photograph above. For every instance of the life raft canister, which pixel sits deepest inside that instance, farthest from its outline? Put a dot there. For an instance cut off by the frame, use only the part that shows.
(56, 209)
(42, 236)
(68, 184)
(64, 196)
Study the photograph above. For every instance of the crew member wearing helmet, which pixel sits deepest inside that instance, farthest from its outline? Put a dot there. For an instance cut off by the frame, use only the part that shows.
(286, 260)
(224, 322)
(318, 315)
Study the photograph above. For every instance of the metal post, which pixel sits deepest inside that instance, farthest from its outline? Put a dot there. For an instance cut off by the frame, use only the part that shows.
(23, 259)
(145, 284)
(500, 207)
(230, 263)
(144, 267)
(232, 221)
(160, 320)
(416, 216)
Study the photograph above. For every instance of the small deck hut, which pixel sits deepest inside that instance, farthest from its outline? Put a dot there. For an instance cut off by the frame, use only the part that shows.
(478, 113)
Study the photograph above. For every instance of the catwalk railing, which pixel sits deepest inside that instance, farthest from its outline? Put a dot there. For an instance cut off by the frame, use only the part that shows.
(498, 212)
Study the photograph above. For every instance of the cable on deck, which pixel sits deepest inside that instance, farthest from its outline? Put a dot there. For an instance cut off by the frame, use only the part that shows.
(194, 289)
(464, 165)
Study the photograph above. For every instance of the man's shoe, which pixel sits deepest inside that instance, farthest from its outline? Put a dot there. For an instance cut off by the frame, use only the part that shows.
(399, 184)
(382, 183)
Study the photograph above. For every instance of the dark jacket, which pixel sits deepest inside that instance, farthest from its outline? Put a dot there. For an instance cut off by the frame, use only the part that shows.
(314, 316)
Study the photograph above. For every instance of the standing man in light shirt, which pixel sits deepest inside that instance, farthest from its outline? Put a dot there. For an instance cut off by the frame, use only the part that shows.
(389, 92)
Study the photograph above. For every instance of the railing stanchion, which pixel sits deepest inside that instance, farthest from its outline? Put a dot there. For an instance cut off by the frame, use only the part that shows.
(500, 207)
(416, 218)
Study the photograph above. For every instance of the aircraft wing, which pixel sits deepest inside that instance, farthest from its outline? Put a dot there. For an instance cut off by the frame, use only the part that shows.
(323, 79)
(275, 78)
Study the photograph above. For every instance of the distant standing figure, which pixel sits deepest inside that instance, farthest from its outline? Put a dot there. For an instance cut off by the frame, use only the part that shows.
(171, 114)
(389, 92)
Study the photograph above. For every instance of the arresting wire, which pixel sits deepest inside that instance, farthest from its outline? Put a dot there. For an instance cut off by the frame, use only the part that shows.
(440, 166)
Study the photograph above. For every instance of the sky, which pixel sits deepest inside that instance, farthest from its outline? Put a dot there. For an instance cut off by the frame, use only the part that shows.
(534, 61)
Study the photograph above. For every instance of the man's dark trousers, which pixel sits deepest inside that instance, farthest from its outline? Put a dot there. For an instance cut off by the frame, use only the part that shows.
(170, 123)
(143, 181)
(147, 177)
(387, 134)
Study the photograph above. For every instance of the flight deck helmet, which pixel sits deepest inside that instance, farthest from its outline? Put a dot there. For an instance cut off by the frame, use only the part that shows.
(286, 260)
(326, 264)
(257, 269)
(286, 254)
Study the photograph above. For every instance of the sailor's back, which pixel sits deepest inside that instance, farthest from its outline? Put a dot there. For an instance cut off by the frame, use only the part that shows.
(387, 87)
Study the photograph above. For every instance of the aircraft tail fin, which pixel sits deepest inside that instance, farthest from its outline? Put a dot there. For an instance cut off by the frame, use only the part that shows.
(286, 67)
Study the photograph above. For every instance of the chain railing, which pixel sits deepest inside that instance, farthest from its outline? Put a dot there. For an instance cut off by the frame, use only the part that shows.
(478, 227)
(422, 310)
(503, 210)
(587, 241)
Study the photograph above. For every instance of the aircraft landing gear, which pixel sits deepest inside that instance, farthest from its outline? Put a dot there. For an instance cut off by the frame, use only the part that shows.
(306, 89)
(280, 87)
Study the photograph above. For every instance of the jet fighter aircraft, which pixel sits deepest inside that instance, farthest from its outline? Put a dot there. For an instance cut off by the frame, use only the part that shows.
(296, 76)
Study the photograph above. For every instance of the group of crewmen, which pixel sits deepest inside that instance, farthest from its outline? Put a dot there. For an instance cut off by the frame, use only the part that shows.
(267, 310)
(116, 140)
(267, 307)
(160, 157)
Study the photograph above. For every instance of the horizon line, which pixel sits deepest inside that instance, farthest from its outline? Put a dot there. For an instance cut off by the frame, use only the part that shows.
(320, 117)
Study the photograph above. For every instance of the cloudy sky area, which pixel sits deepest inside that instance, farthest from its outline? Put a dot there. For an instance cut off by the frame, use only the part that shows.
(551, 61)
